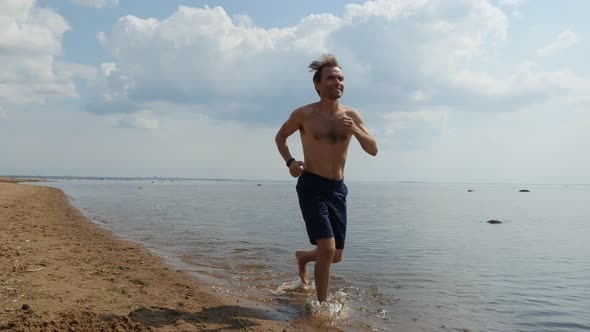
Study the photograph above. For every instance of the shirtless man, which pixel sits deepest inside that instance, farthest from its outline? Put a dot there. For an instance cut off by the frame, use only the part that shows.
(326, 128)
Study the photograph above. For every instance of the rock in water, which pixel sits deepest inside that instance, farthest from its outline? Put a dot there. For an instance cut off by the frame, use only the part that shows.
(524, 191)
(493, 221)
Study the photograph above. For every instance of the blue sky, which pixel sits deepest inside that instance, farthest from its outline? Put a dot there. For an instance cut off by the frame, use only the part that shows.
(453, 91)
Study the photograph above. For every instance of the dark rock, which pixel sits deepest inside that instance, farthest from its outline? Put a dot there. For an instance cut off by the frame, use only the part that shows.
(26, 307)
(493, 221)
(524, 191)
(471, 190)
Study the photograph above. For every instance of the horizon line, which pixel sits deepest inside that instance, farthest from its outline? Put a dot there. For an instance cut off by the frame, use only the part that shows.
(254, 180)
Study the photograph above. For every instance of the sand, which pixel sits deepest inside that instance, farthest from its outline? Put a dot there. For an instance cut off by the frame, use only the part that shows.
(60, 272)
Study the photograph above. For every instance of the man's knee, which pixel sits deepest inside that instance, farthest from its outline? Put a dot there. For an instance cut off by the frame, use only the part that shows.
(326, 248)
(328, 252)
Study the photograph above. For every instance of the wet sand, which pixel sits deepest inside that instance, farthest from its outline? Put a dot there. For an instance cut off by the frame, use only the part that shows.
(59, 271)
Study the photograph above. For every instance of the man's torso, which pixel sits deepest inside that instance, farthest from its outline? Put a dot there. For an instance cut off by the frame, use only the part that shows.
(325, 144)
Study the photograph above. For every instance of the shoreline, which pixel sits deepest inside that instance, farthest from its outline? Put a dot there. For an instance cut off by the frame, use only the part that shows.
(4, 179)
(60, 271)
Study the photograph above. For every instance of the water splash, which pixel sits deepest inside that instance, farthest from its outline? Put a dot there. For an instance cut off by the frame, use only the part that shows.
(294, 286)
(331, 311)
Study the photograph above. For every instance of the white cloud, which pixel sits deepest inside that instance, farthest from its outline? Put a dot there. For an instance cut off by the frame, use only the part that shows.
(414, 129)
(419, 95)
(397, 121)
(30, 40)
(168, 60)
(419, 43)
(424, 58)
(562, 41)
(139, 120)
(514, 3)
(26, 29)
(101, 37)
(73, 70)
(97, 3)
(437, 81)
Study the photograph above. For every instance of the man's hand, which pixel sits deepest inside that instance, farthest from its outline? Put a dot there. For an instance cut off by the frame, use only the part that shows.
(296, 168)
(346, 122)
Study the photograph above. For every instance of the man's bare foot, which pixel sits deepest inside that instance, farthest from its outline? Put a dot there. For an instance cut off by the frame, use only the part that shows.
(302, 266)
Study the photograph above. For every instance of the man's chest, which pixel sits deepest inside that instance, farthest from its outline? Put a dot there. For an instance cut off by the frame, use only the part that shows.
(325, 129)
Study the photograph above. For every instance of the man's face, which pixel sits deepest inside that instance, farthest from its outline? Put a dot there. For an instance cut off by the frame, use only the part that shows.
(332, 84)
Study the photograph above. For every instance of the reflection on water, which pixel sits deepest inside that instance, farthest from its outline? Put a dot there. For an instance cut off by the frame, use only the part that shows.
(419, 257)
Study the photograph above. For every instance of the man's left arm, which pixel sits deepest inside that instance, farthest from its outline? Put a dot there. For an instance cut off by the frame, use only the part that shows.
(354, 122)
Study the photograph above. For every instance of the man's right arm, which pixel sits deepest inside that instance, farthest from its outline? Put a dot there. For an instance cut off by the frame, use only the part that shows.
(293, 124)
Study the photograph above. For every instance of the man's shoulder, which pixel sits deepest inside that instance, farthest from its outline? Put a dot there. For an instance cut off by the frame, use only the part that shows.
(306, 109)
(354, 114)
(348, 110)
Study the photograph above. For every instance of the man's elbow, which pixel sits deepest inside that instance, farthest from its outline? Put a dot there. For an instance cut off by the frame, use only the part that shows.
(372, 149)
(373, 152)
(280, 139)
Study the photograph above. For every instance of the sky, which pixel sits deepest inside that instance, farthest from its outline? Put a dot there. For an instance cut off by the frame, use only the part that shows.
(494, 91)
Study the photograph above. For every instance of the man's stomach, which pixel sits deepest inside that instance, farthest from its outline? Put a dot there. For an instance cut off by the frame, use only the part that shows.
(324, 169)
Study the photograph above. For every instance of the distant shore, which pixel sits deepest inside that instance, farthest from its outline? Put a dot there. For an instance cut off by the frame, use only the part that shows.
(18, 180)
(59, 271)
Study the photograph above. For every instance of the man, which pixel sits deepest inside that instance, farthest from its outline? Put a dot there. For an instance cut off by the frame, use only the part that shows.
(326, 128)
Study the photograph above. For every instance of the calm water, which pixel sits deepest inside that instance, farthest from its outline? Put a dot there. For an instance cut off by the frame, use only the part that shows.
(419, 257)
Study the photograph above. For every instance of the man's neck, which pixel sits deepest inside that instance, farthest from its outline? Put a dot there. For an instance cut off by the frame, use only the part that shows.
(329, 105)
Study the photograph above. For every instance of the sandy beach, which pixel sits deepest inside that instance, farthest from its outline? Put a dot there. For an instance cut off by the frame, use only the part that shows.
(59, 272)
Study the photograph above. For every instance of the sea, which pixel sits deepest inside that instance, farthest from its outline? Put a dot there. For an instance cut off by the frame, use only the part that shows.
(418, 256)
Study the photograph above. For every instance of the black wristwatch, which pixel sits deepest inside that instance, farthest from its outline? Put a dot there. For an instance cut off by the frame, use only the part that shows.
(290, 161)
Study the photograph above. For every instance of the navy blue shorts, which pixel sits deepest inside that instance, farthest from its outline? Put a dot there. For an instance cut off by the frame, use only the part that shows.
(323, 206)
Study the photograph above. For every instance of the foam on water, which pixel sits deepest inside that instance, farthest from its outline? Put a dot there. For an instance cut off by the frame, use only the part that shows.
(331, 311)
(328, 313)
(294, 286)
